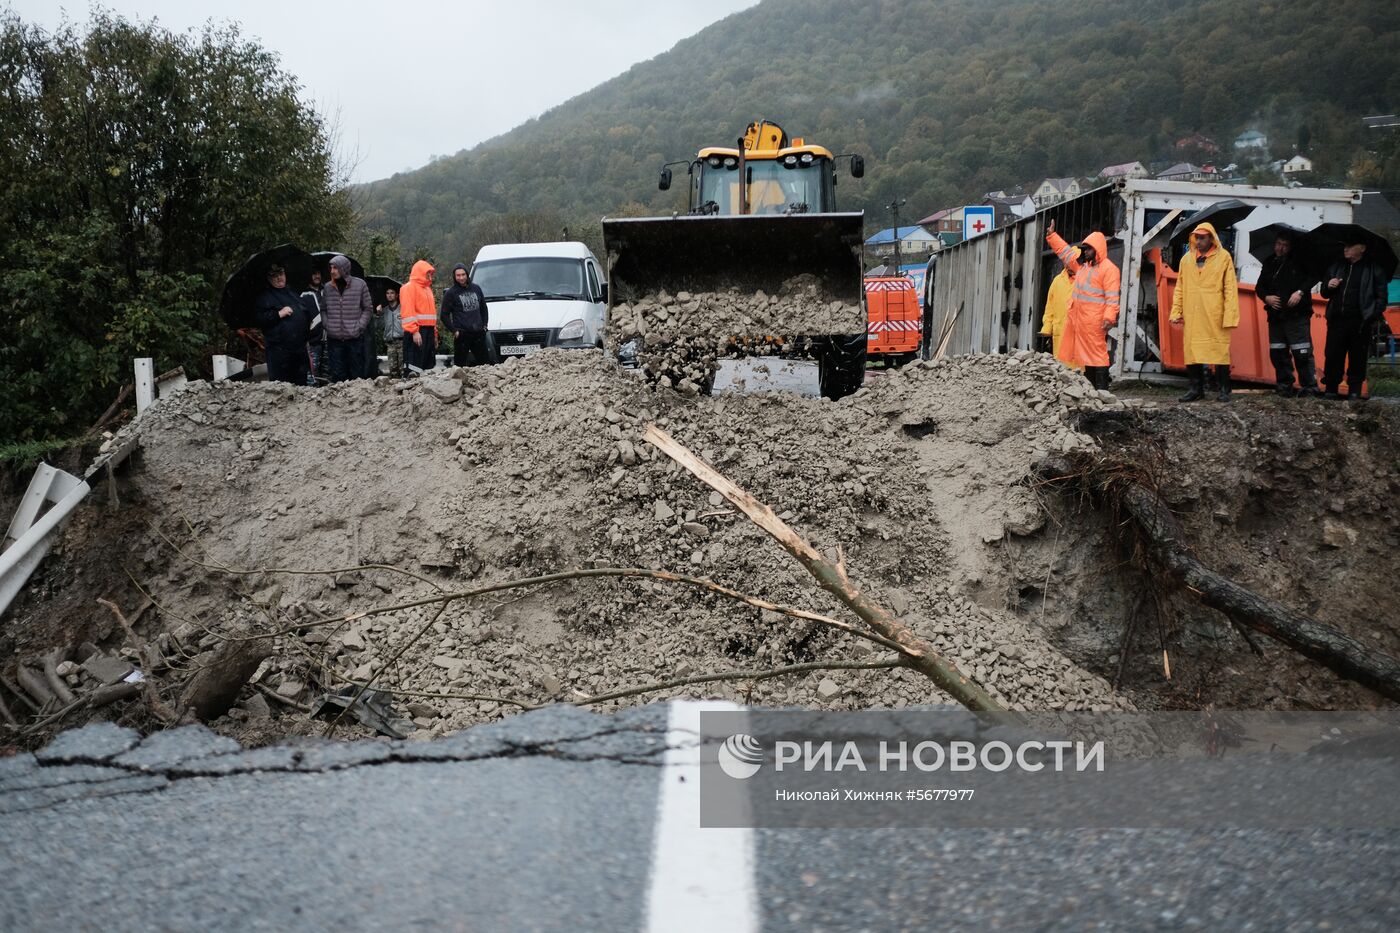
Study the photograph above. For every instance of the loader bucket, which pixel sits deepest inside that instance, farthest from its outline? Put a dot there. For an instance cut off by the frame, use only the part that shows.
(750, 252)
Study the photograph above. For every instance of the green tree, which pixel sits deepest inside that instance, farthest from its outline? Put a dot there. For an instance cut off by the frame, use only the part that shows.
(138, 168)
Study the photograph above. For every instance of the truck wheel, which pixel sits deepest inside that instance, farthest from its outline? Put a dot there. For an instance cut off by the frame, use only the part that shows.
(842, 365)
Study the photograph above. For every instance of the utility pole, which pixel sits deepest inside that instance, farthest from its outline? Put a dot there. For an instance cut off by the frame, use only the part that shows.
(893, 207)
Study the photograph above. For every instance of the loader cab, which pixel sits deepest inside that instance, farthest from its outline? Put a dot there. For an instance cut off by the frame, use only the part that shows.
(797, 180)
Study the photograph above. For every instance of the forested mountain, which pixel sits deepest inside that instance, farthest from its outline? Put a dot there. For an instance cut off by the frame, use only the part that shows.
(946, 99)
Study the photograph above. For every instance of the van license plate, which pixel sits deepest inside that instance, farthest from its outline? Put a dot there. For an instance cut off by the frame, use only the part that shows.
(519, 349)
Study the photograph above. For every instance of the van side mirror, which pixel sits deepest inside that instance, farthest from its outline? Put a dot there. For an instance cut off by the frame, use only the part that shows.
(665, 183)
(857, 166)
(603, 292)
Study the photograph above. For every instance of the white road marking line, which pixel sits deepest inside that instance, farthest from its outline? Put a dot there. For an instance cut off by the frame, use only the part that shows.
(701, 879)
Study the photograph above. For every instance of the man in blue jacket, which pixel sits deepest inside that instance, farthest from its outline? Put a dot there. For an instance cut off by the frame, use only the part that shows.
(464, 313)
(285, 325)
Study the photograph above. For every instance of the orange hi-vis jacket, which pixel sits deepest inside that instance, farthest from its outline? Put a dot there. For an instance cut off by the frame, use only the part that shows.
(1093, 300)
(417, 307)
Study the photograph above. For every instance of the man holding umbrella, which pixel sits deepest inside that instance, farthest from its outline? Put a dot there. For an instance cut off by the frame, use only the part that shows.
(285, 325)
(1285, 286)
(1355, 287)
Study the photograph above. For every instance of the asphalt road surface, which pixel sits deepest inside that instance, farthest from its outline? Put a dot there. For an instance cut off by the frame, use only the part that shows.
(566, 820)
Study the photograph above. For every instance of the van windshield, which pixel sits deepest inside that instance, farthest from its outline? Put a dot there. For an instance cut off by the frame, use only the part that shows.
(531, 277)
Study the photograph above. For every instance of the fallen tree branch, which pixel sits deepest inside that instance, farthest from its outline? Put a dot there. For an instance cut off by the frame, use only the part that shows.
(1169, 548)
(149, 657)
(740, 675)
(594, 572)
(100, 697)
(245, 572)
(832, 578)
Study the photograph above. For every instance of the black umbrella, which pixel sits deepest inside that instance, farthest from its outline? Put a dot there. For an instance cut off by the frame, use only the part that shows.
(1219, 215)
(241, 291)
(378, 284)
(1327, 240)
(323, 263)
(1261, 241)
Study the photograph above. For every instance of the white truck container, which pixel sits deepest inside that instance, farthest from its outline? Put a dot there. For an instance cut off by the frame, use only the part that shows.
(992, 288)
(541, 295)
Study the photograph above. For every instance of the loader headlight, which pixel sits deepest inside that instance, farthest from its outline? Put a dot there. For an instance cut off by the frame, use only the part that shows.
(715, 161)
(572, 330)
(806, 158)
(790, 161)
(731, 162)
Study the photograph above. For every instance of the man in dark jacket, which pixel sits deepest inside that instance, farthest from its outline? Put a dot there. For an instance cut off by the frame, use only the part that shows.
(464, 313)
(1285, 287)
(346, 309)
(1356, 291)
(285, 326)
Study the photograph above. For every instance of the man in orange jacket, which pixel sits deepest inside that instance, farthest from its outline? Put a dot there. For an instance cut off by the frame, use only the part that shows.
(1093, 303)
(418, 311)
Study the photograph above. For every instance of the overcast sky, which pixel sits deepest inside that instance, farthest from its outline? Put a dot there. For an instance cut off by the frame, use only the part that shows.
(417, 78)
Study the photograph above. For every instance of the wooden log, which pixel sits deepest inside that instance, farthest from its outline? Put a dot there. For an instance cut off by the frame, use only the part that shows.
(34, 685)
(55, 680)
(1169, 548)
(214, 688)
(832, 578)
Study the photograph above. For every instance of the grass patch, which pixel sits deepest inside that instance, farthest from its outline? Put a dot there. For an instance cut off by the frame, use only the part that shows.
(25, 455)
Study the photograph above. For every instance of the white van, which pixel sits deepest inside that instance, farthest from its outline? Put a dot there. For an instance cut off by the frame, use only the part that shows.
(541, 295)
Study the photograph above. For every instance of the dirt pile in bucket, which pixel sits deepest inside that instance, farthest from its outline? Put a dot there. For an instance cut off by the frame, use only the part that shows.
(484, 475)
(677, 338)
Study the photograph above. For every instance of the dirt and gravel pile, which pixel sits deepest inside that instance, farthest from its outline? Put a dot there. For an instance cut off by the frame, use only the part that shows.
(483, 475)
(677, 338)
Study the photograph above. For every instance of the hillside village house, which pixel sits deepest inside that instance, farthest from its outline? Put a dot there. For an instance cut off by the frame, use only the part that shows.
(1185, 171)
(914, 242)
(1126, 170)
(1252, 139)
(1010, 207)
(1198, 142)
(948, 220)
(1054, 190)
(1296, 165)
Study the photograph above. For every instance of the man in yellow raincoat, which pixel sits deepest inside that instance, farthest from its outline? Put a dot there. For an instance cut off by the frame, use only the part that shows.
(1093, 303)
(1056, 310)
(1207, 300)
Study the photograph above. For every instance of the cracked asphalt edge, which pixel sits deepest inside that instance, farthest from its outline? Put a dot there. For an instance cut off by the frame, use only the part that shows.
(102, 759)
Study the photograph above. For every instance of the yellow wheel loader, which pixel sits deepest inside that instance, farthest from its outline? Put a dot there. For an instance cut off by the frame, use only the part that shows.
(762, 252)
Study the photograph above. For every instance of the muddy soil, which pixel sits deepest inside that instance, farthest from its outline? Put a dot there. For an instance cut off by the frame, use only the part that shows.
(1297, 499)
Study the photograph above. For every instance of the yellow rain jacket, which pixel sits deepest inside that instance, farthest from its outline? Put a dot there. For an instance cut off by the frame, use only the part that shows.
(1207, 300)
(1093, 300)
(1056, 310)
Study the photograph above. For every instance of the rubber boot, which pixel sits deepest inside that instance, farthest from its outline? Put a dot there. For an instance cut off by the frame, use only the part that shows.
(1222, 376)
(1196, 372)
(1307, 375)
(1283, 372)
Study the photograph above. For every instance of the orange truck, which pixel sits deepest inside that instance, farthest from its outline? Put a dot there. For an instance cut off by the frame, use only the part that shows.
(894, 323)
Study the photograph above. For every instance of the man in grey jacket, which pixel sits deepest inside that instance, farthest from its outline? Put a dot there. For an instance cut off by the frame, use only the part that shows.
(346, 309)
